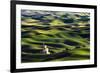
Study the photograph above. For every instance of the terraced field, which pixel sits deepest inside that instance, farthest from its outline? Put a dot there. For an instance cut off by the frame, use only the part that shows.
(65, 34)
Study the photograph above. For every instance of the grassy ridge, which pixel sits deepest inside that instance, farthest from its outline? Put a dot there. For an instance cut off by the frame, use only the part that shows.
(67, 36)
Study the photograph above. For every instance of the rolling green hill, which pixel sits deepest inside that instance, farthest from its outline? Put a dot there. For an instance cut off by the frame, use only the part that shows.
(66, 34)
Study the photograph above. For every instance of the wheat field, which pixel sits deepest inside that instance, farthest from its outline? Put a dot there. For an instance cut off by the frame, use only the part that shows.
(66, 35)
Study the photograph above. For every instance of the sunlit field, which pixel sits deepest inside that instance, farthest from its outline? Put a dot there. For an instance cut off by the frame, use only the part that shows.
(54, 36)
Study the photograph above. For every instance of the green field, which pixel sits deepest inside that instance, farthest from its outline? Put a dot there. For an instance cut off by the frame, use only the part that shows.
(66, 34)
